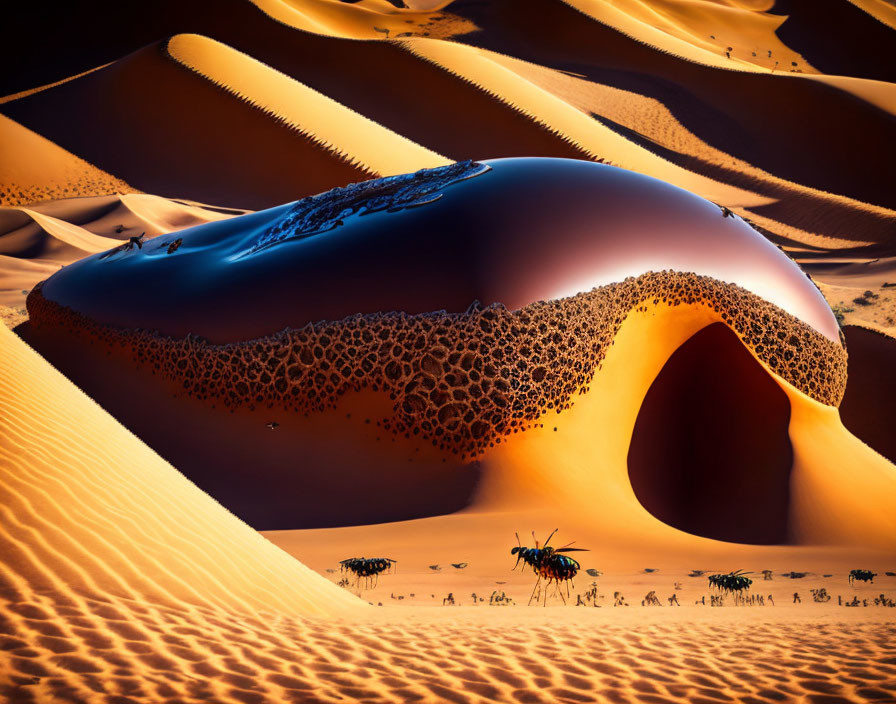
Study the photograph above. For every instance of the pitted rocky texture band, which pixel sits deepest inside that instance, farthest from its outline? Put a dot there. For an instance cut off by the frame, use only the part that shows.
(460, 381)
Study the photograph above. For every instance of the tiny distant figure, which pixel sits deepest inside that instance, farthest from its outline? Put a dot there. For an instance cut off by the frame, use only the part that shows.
(618, 599)
(435, 568)
(677, 586)
(138, 241)
(119, 229)
(767, 575)
(796, 598)
(726, 212)
(273, 425)
(651, 599)
(839, 600)
(820, 596)
(761, 600)
(448, 600)
(382, 31)
(650, 570)
(458, 565)
(475, 598)
(674, 600)
(702, 601)
(771, 600)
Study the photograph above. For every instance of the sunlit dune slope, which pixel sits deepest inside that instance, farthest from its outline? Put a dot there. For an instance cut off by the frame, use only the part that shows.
(34, 169)
(361, 19)
(89, 510)
(836, 36)
(738, 36)
(169, 111)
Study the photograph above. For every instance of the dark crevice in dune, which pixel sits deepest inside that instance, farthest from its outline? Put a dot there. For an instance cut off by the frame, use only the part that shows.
(868, 409)
(710, 452)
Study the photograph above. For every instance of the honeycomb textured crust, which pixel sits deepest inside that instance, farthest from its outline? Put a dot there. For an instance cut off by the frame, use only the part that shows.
(460, 381)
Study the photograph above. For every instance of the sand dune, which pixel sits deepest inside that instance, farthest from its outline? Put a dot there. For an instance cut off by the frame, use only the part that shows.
(104, 513)
(139, 587)
(34, 169)
(715, 34)
(433, 367)
(294, 141)
(729, 109)
(349, 135)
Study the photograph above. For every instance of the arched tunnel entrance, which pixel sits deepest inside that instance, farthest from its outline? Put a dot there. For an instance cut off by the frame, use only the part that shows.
(710, 452)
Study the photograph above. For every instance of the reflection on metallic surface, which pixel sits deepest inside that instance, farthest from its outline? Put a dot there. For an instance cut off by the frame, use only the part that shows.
(526, 230)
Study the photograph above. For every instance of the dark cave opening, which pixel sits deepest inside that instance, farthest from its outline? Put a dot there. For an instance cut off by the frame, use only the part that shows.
(710, 452)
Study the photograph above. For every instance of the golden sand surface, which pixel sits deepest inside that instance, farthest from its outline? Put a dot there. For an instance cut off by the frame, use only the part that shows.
(121, 581)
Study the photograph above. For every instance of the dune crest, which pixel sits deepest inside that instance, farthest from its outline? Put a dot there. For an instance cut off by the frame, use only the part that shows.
(350, 136)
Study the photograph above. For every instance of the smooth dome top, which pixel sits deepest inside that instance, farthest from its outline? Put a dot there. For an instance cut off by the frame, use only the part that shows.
(512, 231)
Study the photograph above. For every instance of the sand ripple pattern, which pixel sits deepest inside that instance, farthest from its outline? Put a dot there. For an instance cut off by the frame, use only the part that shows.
(77, 647)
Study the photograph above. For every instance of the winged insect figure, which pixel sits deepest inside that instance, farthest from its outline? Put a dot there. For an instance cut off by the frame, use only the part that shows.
(548, 563)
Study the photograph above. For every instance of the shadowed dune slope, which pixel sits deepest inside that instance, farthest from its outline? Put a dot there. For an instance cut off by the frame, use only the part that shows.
(840, 38)
(170, 110)
(710, 453)
(103, 514)
(867, 408)
(34, 169)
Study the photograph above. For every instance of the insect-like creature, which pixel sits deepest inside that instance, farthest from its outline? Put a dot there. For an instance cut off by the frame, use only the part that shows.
(367, 569)
(861, 576)
(135, 241)
(548, 563)
(731, 582)
(458, 565)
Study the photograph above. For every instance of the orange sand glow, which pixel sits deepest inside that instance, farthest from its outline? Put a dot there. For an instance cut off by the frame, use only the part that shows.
(122, 582)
